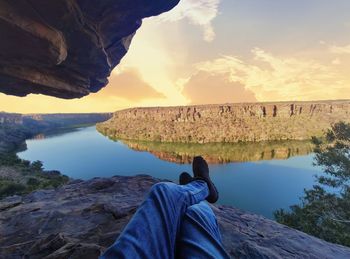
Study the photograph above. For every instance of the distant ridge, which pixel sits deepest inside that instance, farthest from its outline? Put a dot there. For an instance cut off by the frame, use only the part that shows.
(227, 122)
(15, 128)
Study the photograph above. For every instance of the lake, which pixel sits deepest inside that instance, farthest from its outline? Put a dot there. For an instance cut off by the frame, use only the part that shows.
(257, 177)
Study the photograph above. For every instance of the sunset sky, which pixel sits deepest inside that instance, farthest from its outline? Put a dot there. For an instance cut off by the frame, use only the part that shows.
(220, 51)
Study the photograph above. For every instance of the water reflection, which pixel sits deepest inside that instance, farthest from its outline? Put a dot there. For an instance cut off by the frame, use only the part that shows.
(55, 133)
(214, 153)
(219, 153)
(260, 187)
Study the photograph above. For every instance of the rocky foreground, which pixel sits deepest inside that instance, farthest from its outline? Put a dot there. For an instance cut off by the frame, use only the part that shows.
(82, 218)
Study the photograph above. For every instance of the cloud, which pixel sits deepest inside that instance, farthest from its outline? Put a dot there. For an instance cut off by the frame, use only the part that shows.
(129, 84)
(274, 78)
(157, 57)
(197, 12)
(336, 61)
(340, 49)
(208, 88)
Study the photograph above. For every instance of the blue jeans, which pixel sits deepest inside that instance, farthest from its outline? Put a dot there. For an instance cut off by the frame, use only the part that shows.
(173, 221)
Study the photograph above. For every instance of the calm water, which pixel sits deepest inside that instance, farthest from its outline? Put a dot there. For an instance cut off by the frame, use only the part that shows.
(258, 186)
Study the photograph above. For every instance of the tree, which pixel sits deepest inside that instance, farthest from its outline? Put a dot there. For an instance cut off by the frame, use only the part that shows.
(325, 209)
(37, 165)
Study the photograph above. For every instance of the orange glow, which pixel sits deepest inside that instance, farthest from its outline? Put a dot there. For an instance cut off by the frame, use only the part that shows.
(207, 51)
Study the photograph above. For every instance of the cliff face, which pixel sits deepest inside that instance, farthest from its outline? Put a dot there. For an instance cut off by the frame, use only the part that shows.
(16, 128)
(67, 48)
(81, 219)
(10, 118)
(67, 119)
(12, 132)
(227, 123)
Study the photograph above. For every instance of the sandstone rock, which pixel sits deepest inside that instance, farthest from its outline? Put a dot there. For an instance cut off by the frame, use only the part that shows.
(227, 122)
(67, 48)
(12, 132)
(16, 128)
(81, 219)
(60, 120)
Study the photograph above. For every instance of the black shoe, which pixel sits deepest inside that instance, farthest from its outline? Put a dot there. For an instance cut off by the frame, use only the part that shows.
(201, 172)
(185, 178)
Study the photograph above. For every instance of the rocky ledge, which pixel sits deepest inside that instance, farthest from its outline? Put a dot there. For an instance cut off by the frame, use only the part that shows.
(82, 218)
(67, 48)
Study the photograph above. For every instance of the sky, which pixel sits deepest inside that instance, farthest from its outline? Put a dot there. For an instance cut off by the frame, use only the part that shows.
(223, 51)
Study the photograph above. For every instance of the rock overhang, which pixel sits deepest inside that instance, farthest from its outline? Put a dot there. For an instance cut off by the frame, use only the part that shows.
(67, 48)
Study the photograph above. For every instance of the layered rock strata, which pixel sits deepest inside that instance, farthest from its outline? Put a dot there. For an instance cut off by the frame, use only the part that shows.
(67, 48)
(227, 122)
(16, 128)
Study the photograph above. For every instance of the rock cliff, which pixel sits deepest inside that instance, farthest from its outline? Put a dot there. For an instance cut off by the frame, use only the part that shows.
(58, 120)
(16, 128)
(67, 48)
(10, 118)
(12, 132)
(228, 122)
(82, 218)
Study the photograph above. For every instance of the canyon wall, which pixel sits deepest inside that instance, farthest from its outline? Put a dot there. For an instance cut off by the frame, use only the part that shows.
(16, 128)
(67, 48)
(10, 118)
(228, 122)
(12, 132)
(67, 119)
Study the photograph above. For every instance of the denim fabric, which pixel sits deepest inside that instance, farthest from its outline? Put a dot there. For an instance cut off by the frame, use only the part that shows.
(154, 231)
(199, 235)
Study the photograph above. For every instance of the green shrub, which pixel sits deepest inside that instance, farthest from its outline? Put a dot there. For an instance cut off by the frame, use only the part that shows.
(32, 176)
(8, 188)
(325, 209)
(37, 165)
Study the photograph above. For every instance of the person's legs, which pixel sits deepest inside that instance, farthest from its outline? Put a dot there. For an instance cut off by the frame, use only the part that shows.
(153, 230)
(199, 235)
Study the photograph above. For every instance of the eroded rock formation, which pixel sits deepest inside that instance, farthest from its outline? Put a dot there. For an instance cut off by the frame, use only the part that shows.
(81, 219)
(227, 123)
(67, 48)
(16, 128)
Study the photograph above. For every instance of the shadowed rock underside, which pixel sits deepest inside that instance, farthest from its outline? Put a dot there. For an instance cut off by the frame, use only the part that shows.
(67, 48)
